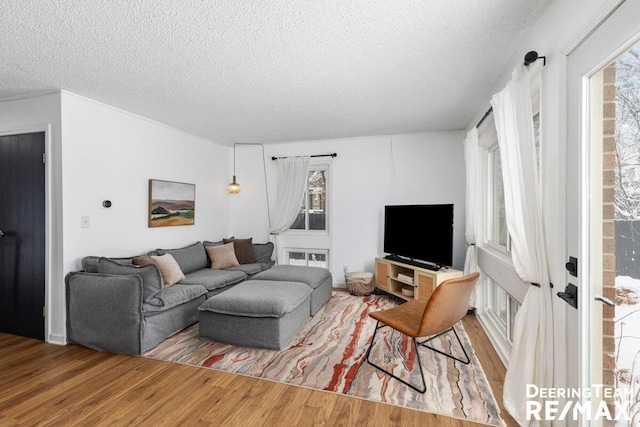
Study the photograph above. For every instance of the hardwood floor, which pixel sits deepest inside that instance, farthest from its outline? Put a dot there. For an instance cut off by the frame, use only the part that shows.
(44, 384)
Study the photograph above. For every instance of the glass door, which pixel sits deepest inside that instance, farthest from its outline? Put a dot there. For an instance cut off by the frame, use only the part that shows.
(603, 220)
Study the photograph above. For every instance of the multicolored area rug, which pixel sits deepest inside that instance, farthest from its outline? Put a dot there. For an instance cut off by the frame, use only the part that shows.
(328, 354)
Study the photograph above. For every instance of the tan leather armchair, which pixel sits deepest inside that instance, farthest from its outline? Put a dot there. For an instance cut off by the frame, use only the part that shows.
(447, 306)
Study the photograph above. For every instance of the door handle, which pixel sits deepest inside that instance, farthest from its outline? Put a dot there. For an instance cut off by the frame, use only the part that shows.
(570, 295)
(1, 233)
(604, 300)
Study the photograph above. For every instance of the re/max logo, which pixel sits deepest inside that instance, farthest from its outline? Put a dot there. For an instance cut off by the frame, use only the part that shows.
(550, 410)
(586, 404)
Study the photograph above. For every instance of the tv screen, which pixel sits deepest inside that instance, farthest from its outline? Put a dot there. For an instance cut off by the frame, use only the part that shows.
(420, 232)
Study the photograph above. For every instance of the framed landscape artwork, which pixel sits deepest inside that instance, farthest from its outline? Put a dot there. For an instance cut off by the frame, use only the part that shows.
(171, 203)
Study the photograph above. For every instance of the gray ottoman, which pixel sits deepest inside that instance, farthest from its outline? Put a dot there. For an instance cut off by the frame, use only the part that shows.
(318, 279)
(256, 313)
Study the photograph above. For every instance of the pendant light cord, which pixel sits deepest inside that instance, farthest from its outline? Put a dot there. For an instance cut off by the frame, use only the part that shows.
(266, 189)
(234, 158)
(264, 172)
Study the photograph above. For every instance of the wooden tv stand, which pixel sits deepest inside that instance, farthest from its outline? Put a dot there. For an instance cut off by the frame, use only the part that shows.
(394, 277)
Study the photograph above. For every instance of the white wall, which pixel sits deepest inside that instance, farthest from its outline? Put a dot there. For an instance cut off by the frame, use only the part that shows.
(369, 173)
(110, 154)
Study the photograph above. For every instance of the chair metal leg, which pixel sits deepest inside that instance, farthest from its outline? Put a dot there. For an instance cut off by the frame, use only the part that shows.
(443, 353)
(415, 345)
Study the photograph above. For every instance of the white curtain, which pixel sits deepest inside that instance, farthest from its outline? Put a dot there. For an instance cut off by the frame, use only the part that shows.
(531, 360)
(293, 178)
(473, 203)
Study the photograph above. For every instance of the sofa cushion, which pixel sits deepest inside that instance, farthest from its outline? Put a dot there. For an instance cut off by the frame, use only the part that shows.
(312, 276)
(262, 252)
(267, 265)
(90, 263)
(190, 258)
(243, 249)
(152, 289)
(213, 279)
(222, 256)
(208, 243)
(169, 269)
(248, 269)
(176, 295)
(257, 298)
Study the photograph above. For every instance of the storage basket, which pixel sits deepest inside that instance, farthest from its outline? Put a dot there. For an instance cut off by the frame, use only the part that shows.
(359, 283)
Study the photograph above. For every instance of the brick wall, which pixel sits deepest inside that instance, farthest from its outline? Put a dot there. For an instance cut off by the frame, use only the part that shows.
(608, 212)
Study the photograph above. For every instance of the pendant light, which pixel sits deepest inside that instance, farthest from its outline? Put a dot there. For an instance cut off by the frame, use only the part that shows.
(234, 187)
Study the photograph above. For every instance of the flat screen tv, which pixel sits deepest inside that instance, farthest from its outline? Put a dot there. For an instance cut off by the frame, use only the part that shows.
(419, 233)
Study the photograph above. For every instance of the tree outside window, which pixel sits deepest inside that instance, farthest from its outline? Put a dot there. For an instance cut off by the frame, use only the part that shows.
(313, 210)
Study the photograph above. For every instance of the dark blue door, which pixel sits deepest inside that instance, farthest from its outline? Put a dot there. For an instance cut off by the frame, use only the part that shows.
(22, 239)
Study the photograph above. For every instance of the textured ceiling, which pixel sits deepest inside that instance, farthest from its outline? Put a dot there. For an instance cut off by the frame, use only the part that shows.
(269, 71)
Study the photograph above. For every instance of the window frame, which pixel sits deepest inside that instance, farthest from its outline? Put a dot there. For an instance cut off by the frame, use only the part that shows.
(307, 252)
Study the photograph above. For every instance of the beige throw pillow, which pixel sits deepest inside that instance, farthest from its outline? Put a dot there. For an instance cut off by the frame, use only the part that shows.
(222, 256)
(169, 269)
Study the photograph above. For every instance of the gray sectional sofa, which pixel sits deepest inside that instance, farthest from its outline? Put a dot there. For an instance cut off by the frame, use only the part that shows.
(114, 305)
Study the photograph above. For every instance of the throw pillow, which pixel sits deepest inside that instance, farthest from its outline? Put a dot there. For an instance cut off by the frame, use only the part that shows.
(222, 256)
(243, 249)
(169, 269)
(140, 260)
(206, 244)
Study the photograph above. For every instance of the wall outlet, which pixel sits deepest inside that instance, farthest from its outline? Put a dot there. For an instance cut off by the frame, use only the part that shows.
(84, 222)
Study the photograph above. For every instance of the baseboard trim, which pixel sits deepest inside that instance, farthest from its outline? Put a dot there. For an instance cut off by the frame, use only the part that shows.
(57, 339)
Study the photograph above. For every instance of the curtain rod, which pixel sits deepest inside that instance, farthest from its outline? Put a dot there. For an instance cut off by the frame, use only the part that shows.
(315, 155)
(489, 111)
(529, 58)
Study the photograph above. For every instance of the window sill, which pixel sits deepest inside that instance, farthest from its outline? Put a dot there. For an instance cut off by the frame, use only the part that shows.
(499, 267)
(498, 253)
(306, 233)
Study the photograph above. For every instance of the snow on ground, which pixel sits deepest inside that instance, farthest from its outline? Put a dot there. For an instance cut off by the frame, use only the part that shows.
(627, 334)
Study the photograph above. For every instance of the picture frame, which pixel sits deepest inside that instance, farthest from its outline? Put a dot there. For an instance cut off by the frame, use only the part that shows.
(171, 203)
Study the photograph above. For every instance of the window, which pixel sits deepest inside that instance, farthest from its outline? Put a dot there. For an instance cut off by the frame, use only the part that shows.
(308, 257)
(497, 234)
(308, 241)
(514, 306)
(313, 211)
(501, 306)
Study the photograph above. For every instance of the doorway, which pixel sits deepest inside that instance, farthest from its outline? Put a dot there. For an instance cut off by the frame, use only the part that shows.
(22, 234)
(603, 218)
(617, 334)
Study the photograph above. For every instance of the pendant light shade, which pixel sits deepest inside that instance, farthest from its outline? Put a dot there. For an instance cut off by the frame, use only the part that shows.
(234, 187)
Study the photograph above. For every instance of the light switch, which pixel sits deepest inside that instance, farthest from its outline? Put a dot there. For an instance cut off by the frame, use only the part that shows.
(84, 222)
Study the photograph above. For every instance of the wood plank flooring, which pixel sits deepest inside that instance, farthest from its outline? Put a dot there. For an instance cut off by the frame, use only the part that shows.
(45, 384)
